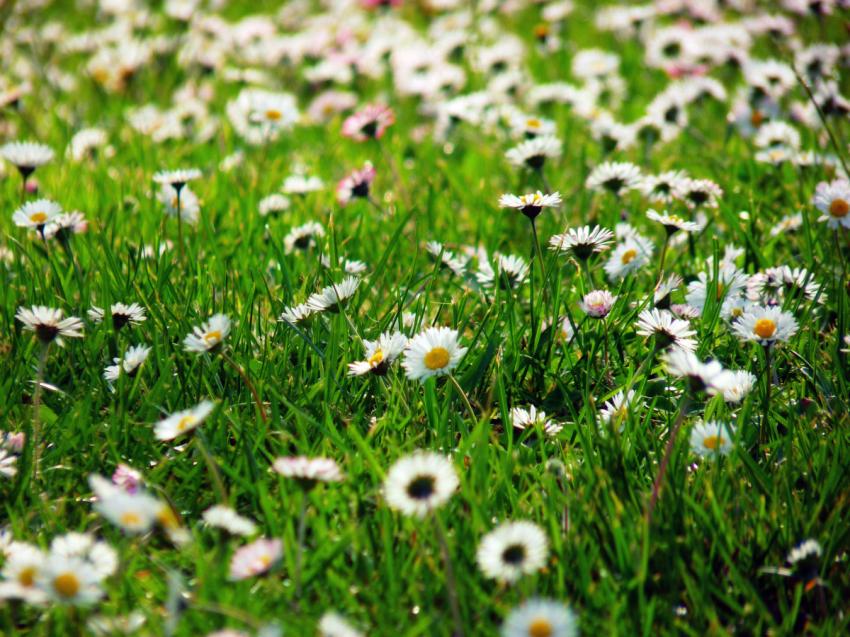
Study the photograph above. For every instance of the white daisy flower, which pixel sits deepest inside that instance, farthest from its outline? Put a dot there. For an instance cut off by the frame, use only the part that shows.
(533, 153)
(380, 354)
(667, 329)
(187, 203)
(540, 618)
(223, 517)
(48, 324)
(134, 513)
(710, 439)
(616, 410)
(208, 336)
(335, 625)
(298, 184)
(672, 223)
(303, 237)
(447, 258)
(434, 352)
(21, 569)
(182, 422)
(334, 297)
(737, 386)
(709, 377)
(511, 550)
(308, 471)
(805, 550)
(36, 214)
(273, 204)
(62, 227)
(510, 272)
(614, 177)
(597, 303)
(8, 462)
(531, 418)
(532, 204)
(100, 555)
(85, 143)
(70, 580)
(662, 188)
(631, 255)
(129, 363)
(833, 200)
(697, 193)
(730, 284)
(26, 156)
(122, 314)
(177, 178)
(420, 482)
(582, 242)
(765, 325)
(296, 314)
(255, 558)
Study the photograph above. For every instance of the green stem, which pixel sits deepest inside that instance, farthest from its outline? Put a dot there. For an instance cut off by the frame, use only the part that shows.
(466, 402)
(218, 483)
(451, 586)
(299, 554)
(243, 374)
(665, 461)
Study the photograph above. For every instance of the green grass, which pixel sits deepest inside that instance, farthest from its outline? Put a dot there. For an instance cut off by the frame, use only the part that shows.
(695, 571)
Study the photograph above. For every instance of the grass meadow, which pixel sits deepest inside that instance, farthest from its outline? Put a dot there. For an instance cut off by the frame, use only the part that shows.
(636, 415)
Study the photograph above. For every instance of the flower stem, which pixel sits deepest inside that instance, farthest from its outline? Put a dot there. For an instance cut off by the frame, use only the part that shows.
(462, 393)
(218, 483)
(768, 381)
(36, 405)
(179, 227)
(665, 461)
(299, 554)
(244, 375)
(661, 259)
(451, 586)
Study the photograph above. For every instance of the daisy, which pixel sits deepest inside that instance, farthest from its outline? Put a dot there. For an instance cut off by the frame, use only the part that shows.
(176, 178)
(511, 550)
(597, 303)
(531, 418)
(308, 471)
(765, 325)
(533, 153)
(85, 142)
(129, 363)
(102, 558)
(614, 177)
(296, 314)
(368, 123)
(184, 201)
(699, 192)
(710, 439)
(335, 625)
(709, 377)
(134, 513)
(36, 214)
(737, 386)
(334, 297)
(538, 617)
(356, 184)
(631, 255)
(667, 330)
(380, 354)
(260, 116)
(273, 204)
(419, 483)
(729, 285)
(582, 242)
(182, 422)
(69, 580)
(223, 517)
(833, 200)
(672, 223)
(617, 409)
(21, 569)
(662, 188)
(48, 324)
(122, 314)
(254, 558)
(298, 184)
(446, 258)
(788, 223)
(208, 336)
(26, 156)
(530, 205)
(804, 551)
(434, 352)
(62, 227)
(510, 272)
(303, 237)
(7, 464)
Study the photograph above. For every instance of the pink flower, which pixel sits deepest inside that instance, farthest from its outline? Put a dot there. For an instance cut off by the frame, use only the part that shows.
(14, 442)
(377, 4)
(355, 184)
(597, 303)
(254, 558)
(368, 123)
(127, 478)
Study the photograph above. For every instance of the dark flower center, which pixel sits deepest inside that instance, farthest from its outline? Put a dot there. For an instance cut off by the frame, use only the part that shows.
(421, 487)
(360, 190)
(46, 333)
(514, 554)
(370, 129)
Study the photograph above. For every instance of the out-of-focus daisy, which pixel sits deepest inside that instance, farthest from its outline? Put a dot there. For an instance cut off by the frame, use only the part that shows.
(26, 156)
(511, 550)
(177, 178)
(699, 193)
(333, 624)
(100, 555)
(597, 303)
(21, 570)
(433, 352)
(70, 580)
(356, 184)
(223, 517)
(182, 422)
(368, 123)
(209, 335)
(710, 439)
(8, 462)
(616, 410)
(672, 223)
(538, 617)
(303, 237)
(709, 377)
(86, 142)
(308, 471)
(134, 513)
(260, 116)
(63, 226)
(533, 153)
(833, 200)
(48, 324)
(582, 242)
(667, 330)
(662, 188)
(532, 418)
(532, 204)
(380, 354)
(447, 258)
(349, 266)
(36, 214)
(614, 177)
(788, 223)
(122, 314)
(273, 204)
(298, 184)
(296, 314)
(255, 558)
(420, 482)
(334, 297)
(129, 363)
(630, 255)
(737, 385)
(185, 201)
(510, 271)
(765, 325)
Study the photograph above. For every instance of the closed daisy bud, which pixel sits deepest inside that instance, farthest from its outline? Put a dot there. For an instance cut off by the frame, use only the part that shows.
(597, 303)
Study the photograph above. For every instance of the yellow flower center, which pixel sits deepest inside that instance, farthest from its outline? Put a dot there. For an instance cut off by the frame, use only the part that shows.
(712, 442)
(765, 328)
(265, 560)
(167, 518)
(628, 256)
(212, 337)
(533, 122)
(100, 75)
(377, 358)
(737, 312)
(273, 114)
(67, 585)
(131, 518)
(720, 290)
(184, 422)
(437, 358)
(540, 628)
(26, 577)
(839, 208)
(41, 217)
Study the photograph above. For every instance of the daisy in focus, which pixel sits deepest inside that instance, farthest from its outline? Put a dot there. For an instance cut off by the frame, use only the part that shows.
(434, 352)
(380, 354)
(531, 205)
(49, 325)
(765, 325)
